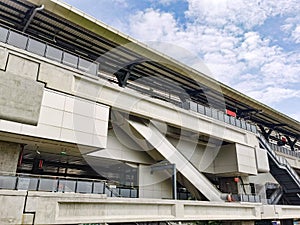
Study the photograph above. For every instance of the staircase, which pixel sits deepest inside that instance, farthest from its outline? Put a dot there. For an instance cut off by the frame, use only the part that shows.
(283, 173)
(155, 138)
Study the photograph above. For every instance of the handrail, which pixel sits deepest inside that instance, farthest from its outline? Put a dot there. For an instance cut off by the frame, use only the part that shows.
(284, 150)
(275, 197)
(279, 160)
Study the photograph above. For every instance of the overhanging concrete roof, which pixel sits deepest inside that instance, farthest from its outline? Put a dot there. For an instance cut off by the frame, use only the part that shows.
(89, 23)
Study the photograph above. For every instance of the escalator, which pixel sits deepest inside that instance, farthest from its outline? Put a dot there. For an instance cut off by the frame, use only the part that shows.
(283, 173)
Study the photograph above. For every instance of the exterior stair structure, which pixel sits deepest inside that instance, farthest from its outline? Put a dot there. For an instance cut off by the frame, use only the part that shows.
(155, 138)
(285, 175)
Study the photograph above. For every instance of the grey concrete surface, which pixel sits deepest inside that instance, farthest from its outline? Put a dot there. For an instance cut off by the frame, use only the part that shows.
(20, 98)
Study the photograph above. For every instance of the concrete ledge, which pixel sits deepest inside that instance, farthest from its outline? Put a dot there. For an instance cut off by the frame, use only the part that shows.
(74, 208)
(11, 207)
(70, 208)
(12, 193)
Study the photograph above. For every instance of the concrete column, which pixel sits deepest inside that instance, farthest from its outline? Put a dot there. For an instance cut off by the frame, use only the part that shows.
(9, 155)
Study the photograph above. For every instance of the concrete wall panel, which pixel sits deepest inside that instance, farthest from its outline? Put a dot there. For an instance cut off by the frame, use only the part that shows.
(157, 185)
(25, 67)
(59, 121)
(246, 159)
(11, 207)
(20, 98)
(262, 162)
(9, 157)
(3, 58)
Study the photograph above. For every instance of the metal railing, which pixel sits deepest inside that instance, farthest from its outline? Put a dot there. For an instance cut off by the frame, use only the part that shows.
(245, 198)
(279, 160)
(31, 182)
(33, 45)
(275, 197)
(218, 115)
(284, 150)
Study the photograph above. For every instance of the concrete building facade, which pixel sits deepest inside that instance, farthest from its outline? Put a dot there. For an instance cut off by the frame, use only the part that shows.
(97, 128)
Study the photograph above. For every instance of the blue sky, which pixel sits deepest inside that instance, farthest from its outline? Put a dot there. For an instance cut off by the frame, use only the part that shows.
(252, 46)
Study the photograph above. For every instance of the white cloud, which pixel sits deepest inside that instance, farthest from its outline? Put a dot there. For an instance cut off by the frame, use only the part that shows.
(225, 35)
(222, 33)
(274, 94)
(153, 25)
(296, 34)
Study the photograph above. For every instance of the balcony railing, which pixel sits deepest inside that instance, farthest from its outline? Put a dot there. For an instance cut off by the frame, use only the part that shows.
(30, 182)
(284, 150)
(246, 198)
(219, 115)
(30, 44)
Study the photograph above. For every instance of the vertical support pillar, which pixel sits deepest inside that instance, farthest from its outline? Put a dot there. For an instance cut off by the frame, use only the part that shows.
(9, 157)
(174, 179)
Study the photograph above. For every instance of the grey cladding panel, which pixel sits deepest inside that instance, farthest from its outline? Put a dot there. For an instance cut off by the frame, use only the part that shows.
(20, 98)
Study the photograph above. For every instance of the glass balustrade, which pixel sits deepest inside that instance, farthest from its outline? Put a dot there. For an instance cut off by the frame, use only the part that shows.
(30, 44)
(64, 185)
(38, 47)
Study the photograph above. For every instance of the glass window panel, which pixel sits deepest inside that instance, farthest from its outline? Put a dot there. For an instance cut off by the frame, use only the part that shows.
(48, 184)
(214, 113)
(98, 187)
(221, 116)
(93, 69)
(84, 187)
(232, 120)
(238, 123)
(134, 193)
(54, 53)
(253, 128)
(70, 60)
(208, 111)
(108, 192)
(87, 66)
(27, 183)
(33, 185)
(17, 40)
(200, 109)
(193, 106)
(66, 185)
(115, 192)
(36, 47)
(186, 105)
(243, 124)
(248, 126)
(7, 182)
(124, 192)
(3, 34)
(226, 117)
